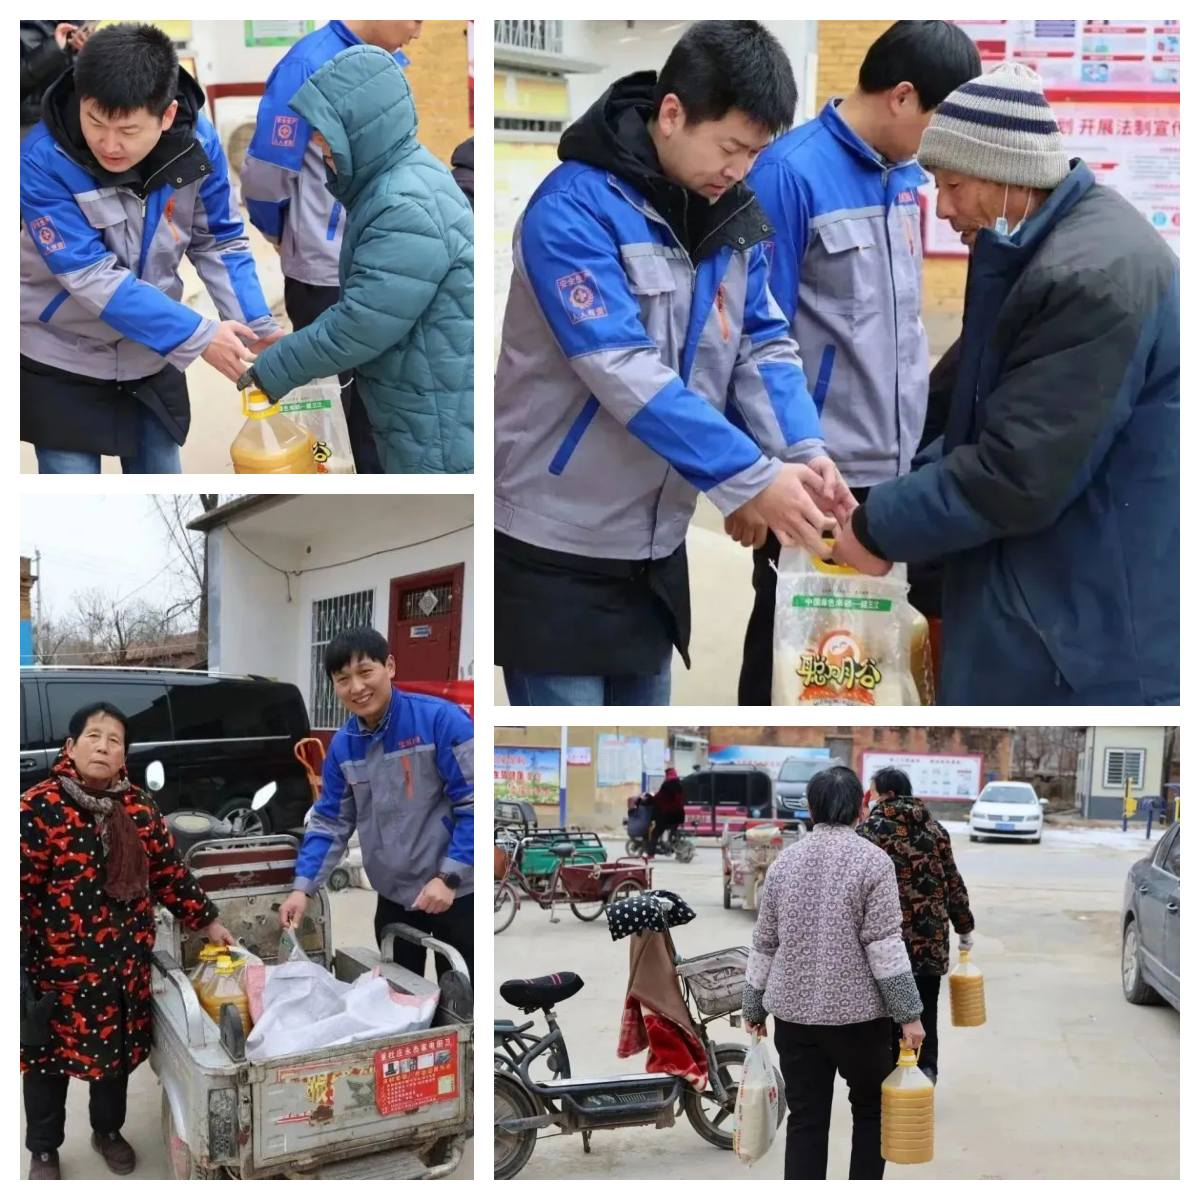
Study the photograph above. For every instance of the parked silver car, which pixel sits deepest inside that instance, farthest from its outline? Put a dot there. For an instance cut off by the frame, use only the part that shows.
(1150, 925)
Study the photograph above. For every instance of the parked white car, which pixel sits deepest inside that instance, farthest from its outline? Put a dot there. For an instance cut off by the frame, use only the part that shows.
(1007, 810)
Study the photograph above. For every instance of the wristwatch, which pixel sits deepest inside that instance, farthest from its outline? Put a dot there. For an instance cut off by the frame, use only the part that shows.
(450, 879)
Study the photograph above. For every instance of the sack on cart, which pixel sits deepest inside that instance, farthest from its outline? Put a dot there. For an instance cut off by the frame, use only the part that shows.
(304, 1007)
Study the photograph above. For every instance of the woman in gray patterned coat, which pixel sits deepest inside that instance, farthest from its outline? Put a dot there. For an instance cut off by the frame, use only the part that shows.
(829, 964)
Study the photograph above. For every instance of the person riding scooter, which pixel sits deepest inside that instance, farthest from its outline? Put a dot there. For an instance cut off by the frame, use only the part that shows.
(669, 811)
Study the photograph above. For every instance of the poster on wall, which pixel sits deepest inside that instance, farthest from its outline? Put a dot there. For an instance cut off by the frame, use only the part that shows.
(619, 760)
(276, 33)
(934, 776)
(526, 773)
(765, 758)
(1085, 56)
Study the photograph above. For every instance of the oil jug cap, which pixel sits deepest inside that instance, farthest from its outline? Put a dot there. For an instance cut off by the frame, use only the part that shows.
(256, 404)
(908, 1057)
(224, 965)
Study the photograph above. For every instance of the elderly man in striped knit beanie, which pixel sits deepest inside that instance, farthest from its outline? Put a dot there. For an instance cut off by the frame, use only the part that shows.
(1052, 495)
(995, 152)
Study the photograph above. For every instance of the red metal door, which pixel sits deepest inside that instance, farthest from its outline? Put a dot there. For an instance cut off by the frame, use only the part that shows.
(425, 624)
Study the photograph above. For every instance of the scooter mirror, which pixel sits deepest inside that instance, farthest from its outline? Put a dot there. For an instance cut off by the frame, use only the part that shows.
(156, 777)
(264, 795)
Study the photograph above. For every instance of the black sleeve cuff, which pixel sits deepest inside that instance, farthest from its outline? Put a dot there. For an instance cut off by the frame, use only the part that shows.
(858, 523)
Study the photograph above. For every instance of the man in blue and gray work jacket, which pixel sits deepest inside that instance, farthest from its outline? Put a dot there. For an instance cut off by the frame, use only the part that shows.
(644, 361)
(841, 191)
(401, 772)
(283, 181)
(122, 177)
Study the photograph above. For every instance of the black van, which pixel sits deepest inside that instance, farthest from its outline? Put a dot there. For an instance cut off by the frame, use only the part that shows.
(218, 737)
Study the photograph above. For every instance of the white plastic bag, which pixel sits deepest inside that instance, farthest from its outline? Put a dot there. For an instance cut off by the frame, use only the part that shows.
(841, 637)
(317, 408)
(756, 1115)
(307, 1008)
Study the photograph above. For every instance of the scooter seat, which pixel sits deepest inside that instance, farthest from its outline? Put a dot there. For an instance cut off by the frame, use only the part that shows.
(563, 850)
(544, 992)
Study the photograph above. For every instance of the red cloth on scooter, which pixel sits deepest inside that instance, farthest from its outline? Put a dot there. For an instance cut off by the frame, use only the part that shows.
(655, 1017)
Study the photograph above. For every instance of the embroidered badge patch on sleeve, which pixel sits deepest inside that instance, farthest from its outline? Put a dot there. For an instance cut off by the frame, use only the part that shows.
(284, 132)
(48, 239)
(581, 297)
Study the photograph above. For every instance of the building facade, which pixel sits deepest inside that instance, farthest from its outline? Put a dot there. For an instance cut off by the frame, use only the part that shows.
(287, 573)
(1113, 754)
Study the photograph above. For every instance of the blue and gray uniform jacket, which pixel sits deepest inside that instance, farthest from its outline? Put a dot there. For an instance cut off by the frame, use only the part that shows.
(283, 177)
(100, 289)
(634, 376)
(846, 271)
(1053, 496)
(407, 786)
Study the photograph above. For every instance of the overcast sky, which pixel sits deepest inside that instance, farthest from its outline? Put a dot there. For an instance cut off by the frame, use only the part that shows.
(116, 543)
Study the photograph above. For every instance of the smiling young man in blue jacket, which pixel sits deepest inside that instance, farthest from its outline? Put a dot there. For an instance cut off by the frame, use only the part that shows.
(401, 772)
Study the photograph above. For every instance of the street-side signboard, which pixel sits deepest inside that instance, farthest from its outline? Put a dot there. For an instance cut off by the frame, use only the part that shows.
(934, 776)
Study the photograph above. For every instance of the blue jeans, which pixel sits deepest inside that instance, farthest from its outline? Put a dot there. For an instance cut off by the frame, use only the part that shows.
(589, 689)
(157, 454)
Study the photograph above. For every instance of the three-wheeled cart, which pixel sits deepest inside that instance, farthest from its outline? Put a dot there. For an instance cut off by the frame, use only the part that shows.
(396, 1107)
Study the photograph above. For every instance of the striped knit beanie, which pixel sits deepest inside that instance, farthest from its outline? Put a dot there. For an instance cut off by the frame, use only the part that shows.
(998, 127)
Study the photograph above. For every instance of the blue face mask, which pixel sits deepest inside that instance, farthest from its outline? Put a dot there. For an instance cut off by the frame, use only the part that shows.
(1001, 225)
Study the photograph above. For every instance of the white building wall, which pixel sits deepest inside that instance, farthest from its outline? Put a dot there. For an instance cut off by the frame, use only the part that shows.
(1129, 737)
(645, 47)
(255, 628)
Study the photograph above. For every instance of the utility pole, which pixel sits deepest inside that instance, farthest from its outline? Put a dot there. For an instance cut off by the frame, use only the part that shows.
(37, 636)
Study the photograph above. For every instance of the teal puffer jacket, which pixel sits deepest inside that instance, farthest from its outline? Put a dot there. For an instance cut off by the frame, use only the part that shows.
(407, 268)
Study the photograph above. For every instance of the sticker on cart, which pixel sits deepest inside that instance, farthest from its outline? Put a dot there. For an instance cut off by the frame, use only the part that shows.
(411, 1076)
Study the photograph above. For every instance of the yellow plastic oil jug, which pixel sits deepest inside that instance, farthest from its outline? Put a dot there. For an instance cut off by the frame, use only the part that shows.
(907, 1135)
(270, 443)
(967, 1005)
(225, 986)
(206, 960)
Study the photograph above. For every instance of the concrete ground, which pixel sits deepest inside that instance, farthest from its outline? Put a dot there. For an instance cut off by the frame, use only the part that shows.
(353, 916)
(1065, 1081)
(216, 402)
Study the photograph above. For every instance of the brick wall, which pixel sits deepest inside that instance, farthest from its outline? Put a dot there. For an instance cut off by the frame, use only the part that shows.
(841, 46)
(438, 76)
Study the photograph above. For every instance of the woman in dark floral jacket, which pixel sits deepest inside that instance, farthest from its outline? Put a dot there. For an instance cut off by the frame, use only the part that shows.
(96, 856)
(932, 892)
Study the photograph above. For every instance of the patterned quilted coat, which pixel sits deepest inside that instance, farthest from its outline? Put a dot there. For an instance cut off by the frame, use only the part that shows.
(931, 889)
(91, 950)
(404, 320)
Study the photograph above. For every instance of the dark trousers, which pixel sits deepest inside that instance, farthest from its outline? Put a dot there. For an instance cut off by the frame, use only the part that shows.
(809, 1057)
(455, 927)
(758, 651)
(659, 828)
(930, 987)
(305, 302)
(46, 1107)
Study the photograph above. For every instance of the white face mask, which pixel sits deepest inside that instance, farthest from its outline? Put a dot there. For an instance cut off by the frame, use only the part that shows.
(1001, 225)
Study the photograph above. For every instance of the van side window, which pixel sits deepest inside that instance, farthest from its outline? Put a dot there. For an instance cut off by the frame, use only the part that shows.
(229, 708)
(145, 704)
(31, 718)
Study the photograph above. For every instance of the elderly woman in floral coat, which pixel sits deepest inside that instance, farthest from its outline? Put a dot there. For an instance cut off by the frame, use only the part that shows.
(96, 856)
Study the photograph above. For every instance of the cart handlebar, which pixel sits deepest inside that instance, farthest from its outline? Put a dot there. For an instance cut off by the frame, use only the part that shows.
(387, 944)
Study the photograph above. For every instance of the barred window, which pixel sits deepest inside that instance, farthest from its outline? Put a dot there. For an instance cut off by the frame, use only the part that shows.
(1120, 765)
(530, 124)
(329, 618)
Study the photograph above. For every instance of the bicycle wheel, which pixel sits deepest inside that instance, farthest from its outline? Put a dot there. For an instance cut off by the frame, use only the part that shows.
(587, 910)
(685, 850)
(711, 1119)
(511, 1150)
(506, 903)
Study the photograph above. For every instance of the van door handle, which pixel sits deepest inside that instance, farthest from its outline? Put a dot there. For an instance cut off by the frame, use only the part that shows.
(27, 764)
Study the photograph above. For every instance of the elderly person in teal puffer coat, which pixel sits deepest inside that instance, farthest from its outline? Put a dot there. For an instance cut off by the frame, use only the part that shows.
(403, 322)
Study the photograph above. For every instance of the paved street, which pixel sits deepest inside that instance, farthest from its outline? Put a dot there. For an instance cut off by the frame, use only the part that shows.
(1066, 1081)
(353, 913)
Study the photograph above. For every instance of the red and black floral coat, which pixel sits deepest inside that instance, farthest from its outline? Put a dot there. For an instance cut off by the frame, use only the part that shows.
(92, 951)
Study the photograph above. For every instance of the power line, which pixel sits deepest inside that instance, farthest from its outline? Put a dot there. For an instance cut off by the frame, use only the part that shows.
(347, 562)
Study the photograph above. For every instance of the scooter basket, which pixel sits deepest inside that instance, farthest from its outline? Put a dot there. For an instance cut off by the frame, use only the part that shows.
(715, 980)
